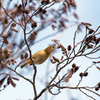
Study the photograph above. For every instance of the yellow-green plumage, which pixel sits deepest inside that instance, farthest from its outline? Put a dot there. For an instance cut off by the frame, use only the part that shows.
(40, 56)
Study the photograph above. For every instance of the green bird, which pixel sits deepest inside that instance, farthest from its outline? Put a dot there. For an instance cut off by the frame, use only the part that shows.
(40, 56)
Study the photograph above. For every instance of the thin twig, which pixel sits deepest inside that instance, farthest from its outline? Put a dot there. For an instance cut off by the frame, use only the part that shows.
(87, 94)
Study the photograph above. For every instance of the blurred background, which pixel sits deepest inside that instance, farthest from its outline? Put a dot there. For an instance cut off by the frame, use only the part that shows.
(87, 11)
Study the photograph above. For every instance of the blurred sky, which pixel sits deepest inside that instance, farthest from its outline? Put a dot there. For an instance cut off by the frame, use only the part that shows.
(88, 11)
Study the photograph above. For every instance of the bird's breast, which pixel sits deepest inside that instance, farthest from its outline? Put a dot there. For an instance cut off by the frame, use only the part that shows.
(39, 57)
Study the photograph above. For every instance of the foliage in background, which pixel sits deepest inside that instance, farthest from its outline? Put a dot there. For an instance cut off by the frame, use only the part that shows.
(21, 25)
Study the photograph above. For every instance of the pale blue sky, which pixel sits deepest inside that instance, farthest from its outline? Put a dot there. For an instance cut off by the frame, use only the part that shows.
(88, 11)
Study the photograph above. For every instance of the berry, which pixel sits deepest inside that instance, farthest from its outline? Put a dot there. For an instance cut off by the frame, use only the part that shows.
(85, 74)
(69, 47)
(76, 68)
(81, 74)
(43, 11)
(73, 65)
(99, 84)
(97, 88)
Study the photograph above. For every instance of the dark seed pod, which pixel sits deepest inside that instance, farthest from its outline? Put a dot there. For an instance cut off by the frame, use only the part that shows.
(98, 40)
(73, 65)
(94, 38)
(76, 68)
(56, 59)
(43, 11)
(19, 7)
(81, 74)
(91, 31)
(97, 88)
(69, 47)
(34, 25)
(40, 9)
(47, 1)
(73, 70)
(22, 56)
(86, 74)
(26, 55)
(99, 84)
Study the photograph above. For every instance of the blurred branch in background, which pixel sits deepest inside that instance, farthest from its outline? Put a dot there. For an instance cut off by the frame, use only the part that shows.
(23, 23)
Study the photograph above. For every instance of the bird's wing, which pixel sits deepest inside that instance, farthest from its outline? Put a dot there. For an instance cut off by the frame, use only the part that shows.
(39, 57)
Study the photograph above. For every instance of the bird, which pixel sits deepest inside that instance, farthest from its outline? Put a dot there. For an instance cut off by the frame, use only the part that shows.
(39, 57)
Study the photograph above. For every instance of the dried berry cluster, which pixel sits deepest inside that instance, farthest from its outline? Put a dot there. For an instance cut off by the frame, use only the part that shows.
(83, 74)
(4, 54)
(71, 3)
(31, 17)
(74, 68)
(21, 10)
(24, 56)
(54, 59)
(32, 36)
(13, 61)
(9, 80)
(71, 72)
(33, 25)
(64, 49)
(5, 39)
(41, 10)
(90, 40)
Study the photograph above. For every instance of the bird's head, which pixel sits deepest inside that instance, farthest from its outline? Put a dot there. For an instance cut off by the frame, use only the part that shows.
(49, 49)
